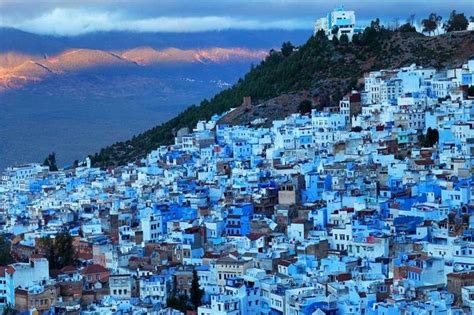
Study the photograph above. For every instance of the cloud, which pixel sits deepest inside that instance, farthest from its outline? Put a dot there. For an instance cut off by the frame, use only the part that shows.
(62, 17)
(65, 21)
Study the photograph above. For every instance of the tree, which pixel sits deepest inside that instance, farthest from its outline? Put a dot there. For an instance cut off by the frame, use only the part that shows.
(375, 24)
(8, 309)
(320, 35)
(470, 91)
(430, 139)
(65, 249)
(370, 35)
(431, 24)
(50, 162)
(287, 48)
(406, 28)
(196, 292)
(305, 107)
(174, 289)
(335, 30)
(411, 19)
(356, 39)
(59, 251)
(433, 136)
(5, 251)
(456, 22)
(177, 302)
(47, 245)
(344, 39)
(335, 41)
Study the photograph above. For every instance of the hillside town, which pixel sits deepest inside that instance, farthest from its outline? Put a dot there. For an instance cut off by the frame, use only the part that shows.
(362, 208)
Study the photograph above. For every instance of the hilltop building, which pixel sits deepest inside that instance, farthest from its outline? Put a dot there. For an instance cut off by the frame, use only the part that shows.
(337, 22)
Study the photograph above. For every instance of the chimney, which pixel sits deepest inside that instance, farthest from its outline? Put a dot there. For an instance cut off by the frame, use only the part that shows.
(247, 102)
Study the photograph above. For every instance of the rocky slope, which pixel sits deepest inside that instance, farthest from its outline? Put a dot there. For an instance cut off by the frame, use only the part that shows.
(349, 63)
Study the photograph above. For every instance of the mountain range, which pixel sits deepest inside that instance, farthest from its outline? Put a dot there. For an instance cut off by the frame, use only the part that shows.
(17, 69)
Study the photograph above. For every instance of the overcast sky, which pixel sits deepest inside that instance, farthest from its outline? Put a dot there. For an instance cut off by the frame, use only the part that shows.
(74, 17)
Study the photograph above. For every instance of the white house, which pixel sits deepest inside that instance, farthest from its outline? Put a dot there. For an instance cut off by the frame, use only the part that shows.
(338, 19)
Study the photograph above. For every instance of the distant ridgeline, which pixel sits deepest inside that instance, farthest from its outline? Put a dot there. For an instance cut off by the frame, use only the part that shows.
(323, 67)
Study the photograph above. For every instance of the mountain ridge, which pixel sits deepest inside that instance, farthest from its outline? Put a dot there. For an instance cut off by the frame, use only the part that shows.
(75, 60)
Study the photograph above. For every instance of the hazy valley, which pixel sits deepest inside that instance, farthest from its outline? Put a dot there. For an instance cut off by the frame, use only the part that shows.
(74, 95)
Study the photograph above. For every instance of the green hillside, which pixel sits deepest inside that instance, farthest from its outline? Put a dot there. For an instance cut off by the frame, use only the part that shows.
(321, 66)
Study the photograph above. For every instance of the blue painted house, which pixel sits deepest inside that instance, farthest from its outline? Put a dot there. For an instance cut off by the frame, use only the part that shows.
(238, 220)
